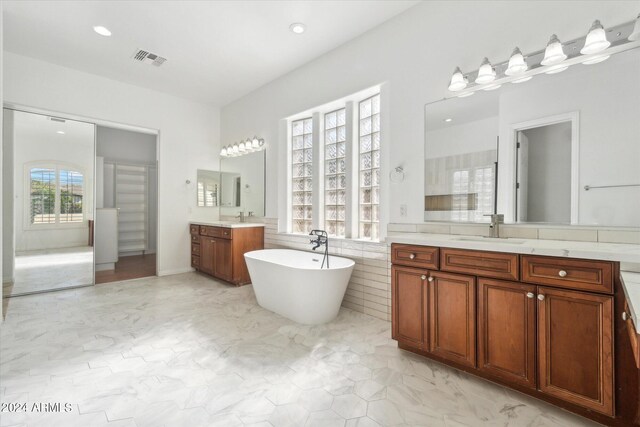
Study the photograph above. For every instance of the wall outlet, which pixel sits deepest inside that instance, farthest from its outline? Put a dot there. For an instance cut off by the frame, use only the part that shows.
(403, 210)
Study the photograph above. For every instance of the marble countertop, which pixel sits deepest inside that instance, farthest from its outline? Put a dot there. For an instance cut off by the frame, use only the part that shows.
(228, 224)
(560, 248)
(631, 286)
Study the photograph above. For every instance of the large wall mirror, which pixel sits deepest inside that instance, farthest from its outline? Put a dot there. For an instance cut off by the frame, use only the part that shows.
(559, 149)
(241, 181)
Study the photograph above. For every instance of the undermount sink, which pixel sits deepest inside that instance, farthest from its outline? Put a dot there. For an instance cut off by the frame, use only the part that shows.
(504, 240)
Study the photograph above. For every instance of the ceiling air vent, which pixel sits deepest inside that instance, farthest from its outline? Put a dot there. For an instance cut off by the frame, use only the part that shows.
(145, 56)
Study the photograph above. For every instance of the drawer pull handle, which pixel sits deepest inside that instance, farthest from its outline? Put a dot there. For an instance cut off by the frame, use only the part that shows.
(412, 256)
(430, 279)
(541, 297)
(625, 316)
(562, 273)
(530, 295)
(423, 277)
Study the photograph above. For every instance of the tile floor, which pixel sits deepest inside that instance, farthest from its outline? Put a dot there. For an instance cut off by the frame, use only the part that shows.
(185, 350)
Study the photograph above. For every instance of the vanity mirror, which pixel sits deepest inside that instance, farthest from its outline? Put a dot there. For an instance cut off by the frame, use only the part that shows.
(560, 149)
(242, 187)
(208, 188)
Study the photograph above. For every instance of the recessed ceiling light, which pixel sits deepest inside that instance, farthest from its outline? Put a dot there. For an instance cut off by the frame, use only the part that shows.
(297, 28)
(103, 31)
(447, 120)
(61, 132)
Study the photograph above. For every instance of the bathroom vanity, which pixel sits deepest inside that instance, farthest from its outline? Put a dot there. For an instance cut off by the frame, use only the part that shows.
(554, 327)
(218, 249)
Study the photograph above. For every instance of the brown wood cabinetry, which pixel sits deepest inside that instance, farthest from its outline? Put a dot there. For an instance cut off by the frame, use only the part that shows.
(219, 251)
(542, 325)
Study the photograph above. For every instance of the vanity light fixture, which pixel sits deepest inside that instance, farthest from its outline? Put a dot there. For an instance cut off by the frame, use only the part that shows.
(297, 28)
(103, 31)
(250, 145)
(458, 81)
(596, 40)
(635, 34)
(517, 64)
(486, 73)
(554, 53)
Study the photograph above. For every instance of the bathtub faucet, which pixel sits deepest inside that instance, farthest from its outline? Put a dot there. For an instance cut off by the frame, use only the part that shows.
(322, 238)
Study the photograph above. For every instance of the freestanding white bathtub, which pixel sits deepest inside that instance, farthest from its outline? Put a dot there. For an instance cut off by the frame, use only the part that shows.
(291, 283)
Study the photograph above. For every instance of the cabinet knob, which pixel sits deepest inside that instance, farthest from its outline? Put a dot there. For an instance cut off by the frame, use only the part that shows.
(430, 279)
(423, 277)
(562, 273)
(625, 316)
(530, 295)
(541, 297)
(412, 256)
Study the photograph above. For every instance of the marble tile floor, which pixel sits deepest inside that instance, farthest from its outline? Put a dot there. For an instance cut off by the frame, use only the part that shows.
(186, 350)
(42, 270)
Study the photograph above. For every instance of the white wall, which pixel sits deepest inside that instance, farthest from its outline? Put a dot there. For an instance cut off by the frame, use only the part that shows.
(415, 54)
(549, 180)
(188, 134)
(605, 96)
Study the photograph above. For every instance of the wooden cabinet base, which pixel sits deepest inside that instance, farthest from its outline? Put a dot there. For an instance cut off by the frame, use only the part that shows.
(579, 410)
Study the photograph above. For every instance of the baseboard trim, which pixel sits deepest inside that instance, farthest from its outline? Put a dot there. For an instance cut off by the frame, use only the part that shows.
(175, 271)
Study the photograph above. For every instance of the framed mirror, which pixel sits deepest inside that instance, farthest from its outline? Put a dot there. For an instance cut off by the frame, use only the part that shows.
(559, 149)
(242, 186)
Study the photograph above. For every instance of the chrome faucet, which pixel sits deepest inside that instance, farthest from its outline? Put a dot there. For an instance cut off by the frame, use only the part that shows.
(494, 225)
(322, 238)
(241, 216)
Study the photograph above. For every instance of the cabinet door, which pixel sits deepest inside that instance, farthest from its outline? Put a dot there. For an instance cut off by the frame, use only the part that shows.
(575, 345)
(507, 330)
(222, 266)
(409, 304)
(207, 254)
(452, 317)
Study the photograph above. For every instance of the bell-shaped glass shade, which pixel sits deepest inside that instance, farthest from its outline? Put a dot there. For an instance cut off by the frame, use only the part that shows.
(635, 34)
(517, 64)
(486, 73)
(236, 149)
(255, 143)
(458, 81)
(241, 147)
(554, 53)
(223, 152)
(596, 40)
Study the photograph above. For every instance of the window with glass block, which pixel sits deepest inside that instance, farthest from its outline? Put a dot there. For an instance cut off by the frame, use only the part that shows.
(335, 137)
(369, 168)
(302, 175)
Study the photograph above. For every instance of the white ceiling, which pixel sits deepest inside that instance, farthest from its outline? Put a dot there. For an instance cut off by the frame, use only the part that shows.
(217, 51)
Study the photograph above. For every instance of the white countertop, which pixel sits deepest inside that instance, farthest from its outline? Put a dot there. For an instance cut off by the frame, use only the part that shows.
(228, 224)
(631, 286)
(560, 248)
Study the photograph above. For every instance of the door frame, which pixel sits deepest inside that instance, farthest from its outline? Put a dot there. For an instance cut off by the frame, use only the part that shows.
(574, 118)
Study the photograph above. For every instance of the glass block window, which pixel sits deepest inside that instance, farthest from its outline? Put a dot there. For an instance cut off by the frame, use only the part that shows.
(71, 186)
(43, 195)
(369, 168)
(302, 171)
(335, 136)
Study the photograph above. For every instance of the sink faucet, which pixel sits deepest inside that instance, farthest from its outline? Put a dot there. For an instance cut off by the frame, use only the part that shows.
(494, 225)
(322, 238)
(241, 216)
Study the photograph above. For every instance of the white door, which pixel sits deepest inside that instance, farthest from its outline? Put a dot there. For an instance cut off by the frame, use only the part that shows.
(523, 174)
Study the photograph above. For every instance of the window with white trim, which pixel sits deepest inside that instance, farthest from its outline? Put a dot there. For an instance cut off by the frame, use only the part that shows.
(56, 195)
(345, 196)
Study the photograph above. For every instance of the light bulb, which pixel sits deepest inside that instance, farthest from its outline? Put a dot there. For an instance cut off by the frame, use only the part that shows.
(635, 34)
(596, 59)
(517, 64)
(596, 40)
(458, 81)
(486, 73)
(554, 53)
(522, 79)
(236, 149)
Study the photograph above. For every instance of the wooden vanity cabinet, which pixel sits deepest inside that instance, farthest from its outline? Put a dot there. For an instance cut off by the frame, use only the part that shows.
(219, 251)
(548, 332)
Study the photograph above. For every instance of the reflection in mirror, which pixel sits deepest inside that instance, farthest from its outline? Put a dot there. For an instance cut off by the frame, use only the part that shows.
(208, 188)
(49, 173)
(568, 149)
(242, 184)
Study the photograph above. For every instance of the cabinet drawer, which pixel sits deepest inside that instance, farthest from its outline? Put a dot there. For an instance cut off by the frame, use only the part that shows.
(195, 238)
(588, 275)
(497, 265)
(195, 249)
(194, 229)
(221, 232)
(415, 256)
(195, 261)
